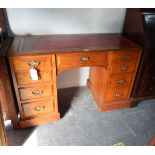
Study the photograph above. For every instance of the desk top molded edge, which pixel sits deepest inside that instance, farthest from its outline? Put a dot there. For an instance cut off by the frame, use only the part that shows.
(54, 44)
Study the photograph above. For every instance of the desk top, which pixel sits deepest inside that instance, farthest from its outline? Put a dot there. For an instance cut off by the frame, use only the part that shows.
(47, 44)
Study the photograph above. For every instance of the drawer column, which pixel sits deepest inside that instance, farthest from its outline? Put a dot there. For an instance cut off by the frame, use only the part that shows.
(37, 98)
(111, 87)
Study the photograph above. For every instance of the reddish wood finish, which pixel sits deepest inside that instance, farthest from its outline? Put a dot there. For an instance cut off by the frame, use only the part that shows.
(111, 94)
(122, 80)
(23, 77)
(106, 54)
(3, 137)
(34, 45)
(35, 108)
(137, 29)
(106, 90)
(2, 22)
(20, 63)
(68, 61)
(24, 87)
(125, 55)
(7, 101)
(29, 93)
(47, 118)
(126, 67)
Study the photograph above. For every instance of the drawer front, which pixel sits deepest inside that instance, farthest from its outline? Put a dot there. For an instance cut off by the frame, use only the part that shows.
(125, 56)
(32, 62)
(117, 94)
(23, 77)
(122, 80)
(123, 68)
(81, 59)
(32, 109)
(35, 92)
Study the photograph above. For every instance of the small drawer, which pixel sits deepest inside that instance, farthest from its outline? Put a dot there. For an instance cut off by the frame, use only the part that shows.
(122, 80)
(65, 61)
(117, 94)
(23, 77)
(32, 62)
(122, 68)
(32, 109)
(125, 56)
(35, 92)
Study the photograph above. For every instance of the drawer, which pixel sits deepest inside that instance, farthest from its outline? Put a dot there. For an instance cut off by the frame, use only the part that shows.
(125, 56)
(65, 61)
(23, 77)
(32, 61)
(122, 80)
(117, 94)
(32, 109)
(123, 67)
(35, 92)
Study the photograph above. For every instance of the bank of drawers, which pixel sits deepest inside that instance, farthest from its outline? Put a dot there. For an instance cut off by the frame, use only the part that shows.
(34, 97)
(121, 75)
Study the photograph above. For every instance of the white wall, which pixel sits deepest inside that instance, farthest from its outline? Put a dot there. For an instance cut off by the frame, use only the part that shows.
(66, 21)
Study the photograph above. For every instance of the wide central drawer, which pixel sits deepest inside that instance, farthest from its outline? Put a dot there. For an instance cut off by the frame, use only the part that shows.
(69, 60)
(32, 109)
(35, 92)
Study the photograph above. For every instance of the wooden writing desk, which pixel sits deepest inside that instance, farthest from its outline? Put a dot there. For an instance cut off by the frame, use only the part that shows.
(113, 62)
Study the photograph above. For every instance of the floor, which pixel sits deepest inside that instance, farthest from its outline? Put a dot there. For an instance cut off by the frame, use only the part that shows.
(83, 124)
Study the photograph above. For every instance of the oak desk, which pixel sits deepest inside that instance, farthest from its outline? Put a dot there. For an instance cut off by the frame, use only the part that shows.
(113, 61)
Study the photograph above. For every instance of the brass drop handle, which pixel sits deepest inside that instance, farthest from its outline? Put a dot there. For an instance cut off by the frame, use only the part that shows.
(84, 59)
(33, 64)
(126, 57)
(118, 95)
(37, 92)
(124, 69)
(121, 81)
(39, 108)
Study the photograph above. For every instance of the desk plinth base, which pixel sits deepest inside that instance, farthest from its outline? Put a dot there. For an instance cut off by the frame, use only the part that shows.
(39, 120)
(106, 106)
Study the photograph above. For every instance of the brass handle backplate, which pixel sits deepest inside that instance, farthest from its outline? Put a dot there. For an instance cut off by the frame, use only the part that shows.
(118, 95)
(39, 108)
(121, 81)
(84, 59)
(126, 57)
(33, 64)
(124, 69)
(37, 92)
